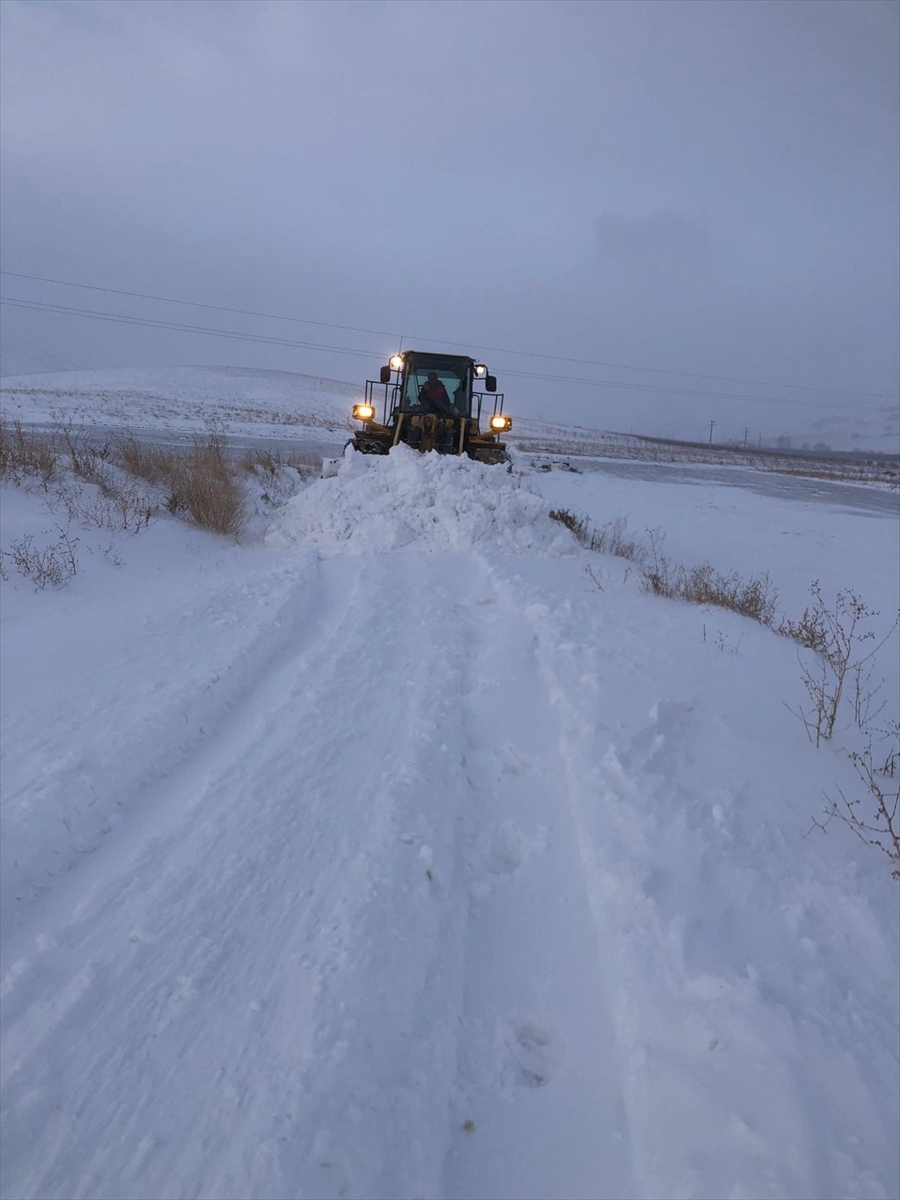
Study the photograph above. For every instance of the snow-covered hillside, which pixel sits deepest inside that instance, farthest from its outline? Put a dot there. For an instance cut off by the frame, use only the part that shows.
(245, 400)
(252, 402)
(184, 399)
(397, 856)
(24, 359)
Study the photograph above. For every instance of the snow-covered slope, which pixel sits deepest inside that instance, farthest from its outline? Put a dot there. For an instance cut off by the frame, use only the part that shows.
(22, 359)
(248, 401)
(244, 399)
(284, 405)
(184, 398)
(396, 857)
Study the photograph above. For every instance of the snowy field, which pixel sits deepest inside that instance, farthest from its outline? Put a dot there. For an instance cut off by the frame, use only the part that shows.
(253, 404)
(753, 522)
(386, 855)
(182, 399)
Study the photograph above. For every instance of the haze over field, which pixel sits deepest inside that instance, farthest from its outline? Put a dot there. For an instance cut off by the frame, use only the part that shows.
(705, 188)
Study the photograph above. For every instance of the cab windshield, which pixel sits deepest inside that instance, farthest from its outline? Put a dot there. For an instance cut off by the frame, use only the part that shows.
(437, 387)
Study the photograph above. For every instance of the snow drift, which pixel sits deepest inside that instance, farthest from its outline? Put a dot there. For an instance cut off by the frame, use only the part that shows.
(436, 502)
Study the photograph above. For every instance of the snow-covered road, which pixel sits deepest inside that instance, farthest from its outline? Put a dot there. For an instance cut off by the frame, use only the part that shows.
(770, 484)
(428, 871)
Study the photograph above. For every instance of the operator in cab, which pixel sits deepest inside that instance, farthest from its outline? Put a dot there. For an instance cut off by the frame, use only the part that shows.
(433, 397)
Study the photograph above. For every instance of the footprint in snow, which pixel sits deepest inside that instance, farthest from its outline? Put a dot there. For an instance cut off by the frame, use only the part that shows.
(505, 853)
(536, 1053)
(651, 748)
(513, 763)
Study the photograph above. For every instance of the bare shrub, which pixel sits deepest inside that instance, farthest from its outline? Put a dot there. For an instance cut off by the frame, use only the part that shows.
(120, 506)
(141, 459)
(610, 539)
(84, 458)
(891, 763)
(875, 815)
(54, 459)
(703, 584)
(839, 638)
(596, 578)
(575, 524)
(23, 455)
(811, 630)
(266, 461)
(722, 643)
(868, 703)
(656, 570)
(270, 463)
(53, 566)
(201, 483)
(303, 463)
(754, 597)
(206, 486)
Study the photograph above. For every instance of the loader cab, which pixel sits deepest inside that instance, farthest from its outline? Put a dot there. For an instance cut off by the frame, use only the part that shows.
(431, 402)
(421, 371)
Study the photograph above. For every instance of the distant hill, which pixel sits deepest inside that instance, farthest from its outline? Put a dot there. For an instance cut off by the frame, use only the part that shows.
(23, 360)
(285, 404)
(244, 399)
(182, 398)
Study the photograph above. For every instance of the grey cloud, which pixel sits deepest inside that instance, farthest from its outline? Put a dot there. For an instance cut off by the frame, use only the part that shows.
(702, 186)
(655, 243)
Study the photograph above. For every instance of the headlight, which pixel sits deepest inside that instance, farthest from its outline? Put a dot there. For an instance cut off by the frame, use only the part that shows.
(396, 362)
(480, 370)
(498, 423)
(363, 412)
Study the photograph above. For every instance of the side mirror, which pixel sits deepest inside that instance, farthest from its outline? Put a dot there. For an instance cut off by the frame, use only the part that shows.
(385, 375)
(490, 383)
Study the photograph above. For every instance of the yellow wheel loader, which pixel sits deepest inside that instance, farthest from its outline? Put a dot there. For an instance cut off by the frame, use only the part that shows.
(430, 402)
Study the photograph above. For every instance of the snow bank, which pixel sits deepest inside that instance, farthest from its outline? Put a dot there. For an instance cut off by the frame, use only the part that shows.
(436, 502)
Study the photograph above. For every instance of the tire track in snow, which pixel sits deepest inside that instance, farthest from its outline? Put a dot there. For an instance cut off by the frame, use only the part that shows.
(223, 1014)
(48, 989)
(113, 786)
(537, 1111)
(723, 1073)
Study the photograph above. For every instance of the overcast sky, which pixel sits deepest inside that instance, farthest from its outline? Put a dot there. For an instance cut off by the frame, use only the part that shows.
(696, 187)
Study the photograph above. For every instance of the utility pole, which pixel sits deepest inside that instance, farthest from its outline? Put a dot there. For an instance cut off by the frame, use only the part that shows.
(760, 441)
(746, 431)
(710, 431)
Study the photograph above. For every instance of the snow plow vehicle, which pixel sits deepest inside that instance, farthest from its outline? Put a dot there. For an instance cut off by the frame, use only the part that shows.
(430, 402)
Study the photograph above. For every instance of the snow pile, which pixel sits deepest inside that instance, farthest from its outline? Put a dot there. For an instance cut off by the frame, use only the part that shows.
(437, 502)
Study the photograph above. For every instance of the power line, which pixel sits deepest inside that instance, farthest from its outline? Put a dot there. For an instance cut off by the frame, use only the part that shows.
(182, 327)
(266, 339)
(443, 342)
(244, 312)
(663, 389)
